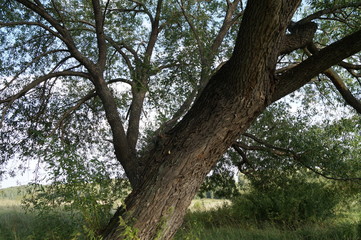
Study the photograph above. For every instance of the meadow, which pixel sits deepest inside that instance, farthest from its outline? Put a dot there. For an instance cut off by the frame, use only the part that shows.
(207, 219)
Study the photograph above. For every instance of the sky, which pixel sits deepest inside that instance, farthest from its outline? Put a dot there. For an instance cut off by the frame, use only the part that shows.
(18, 179)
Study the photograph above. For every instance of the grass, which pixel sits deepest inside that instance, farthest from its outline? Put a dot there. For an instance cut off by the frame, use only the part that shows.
(215, 224)
(208, 219)
(207, 204)
(17, 224)
(337, 232)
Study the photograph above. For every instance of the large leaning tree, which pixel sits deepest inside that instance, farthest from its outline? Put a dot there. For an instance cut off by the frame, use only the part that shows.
(86, 77)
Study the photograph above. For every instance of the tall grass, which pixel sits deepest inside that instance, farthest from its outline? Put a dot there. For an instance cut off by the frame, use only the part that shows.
(205, 221)
(17, 224)
(218, 225)
(336, 232)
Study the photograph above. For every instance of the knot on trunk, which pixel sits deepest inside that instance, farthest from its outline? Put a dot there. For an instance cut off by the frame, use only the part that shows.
(300, 36)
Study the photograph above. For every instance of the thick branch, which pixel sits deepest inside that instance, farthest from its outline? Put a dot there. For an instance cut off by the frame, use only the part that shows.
(135, 113)
(99, 28)
(65, 35)
(39, 80)
(342, 88)
(155, 31)
(300, 36)
(228, 21)
(140, 86)
(122, 149)
(301, 74)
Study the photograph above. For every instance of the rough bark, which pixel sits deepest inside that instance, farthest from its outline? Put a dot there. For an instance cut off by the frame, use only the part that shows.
(232, 99)
(236, 94)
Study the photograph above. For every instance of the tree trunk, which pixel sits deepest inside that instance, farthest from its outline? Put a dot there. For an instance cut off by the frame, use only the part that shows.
(181, 160)
(177, 165)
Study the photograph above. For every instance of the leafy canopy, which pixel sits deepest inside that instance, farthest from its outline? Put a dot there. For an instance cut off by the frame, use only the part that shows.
(157, 58)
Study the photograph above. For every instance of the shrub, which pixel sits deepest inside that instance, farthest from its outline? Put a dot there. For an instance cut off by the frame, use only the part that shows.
(288, 202)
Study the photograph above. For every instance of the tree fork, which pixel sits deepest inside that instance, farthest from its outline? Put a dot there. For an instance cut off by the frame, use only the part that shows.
(232, 99)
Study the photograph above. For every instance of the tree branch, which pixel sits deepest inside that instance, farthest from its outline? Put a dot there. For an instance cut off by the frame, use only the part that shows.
(302, 73)
(327, 11)
(34, 61)
(301, 35)
(33, 84)
(193, 29)
(99, 29)
(12, 24)
(155, 31)
(120, 80)
(39, 80)
(140, 85)
(337, 82)
(118, 47)
(342, 88)
(350, 65)
(87, 97)
(146, 10)
(166, 126)
(65, 35)
(228, 21)
(245, 159)
(57, 11)
(279, 151)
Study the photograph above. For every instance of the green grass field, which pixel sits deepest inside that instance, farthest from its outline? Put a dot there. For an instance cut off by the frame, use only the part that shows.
(206, 220)
(17, 224)
(213, 224)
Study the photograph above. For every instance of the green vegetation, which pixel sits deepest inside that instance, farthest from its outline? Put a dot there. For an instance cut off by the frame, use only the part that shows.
(15, 223)
(156, 93)
(207, 219)
(222, 224)
(78, 210)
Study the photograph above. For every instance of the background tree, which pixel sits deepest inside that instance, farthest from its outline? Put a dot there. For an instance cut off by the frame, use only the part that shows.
(81, 74)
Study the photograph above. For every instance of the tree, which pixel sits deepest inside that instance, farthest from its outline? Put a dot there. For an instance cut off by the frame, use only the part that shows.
(282, 144)
(61, 59)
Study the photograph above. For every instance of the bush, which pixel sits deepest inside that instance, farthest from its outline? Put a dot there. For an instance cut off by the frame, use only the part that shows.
(288, 202)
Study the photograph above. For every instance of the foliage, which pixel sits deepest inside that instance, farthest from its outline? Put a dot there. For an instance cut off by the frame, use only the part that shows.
(226, 223)
(16, 224)
(129, 232)
(50, 110)
(288, 201)
(287, 144)
(301, 141)
(88, 189)
(286, 165)
(92, 201)
(198, 225)
(220, 183)
(13, 193)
